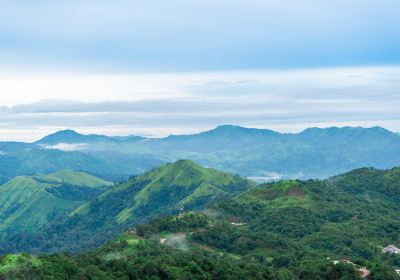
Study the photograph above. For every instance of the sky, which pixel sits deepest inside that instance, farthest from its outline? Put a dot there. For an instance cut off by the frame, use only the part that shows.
(170, 67)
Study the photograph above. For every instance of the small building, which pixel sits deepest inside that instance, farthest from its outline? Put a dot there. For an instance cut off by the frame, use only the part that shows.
(397, 271)
(364, 272)
(391, 249)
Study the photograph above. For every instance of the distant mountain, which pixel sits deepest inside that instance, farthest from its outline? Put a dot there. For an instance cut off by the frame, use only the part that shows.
(313, 153)
(161, 191)
(29, 202)
(222, 138)
(18, 159)
(258, 153)
(70, 136)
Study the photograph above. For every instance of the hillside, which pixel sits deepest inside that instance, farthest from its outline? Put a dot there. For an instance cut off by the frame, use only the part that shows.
(160, 191)
(283, 230)
(30, 202)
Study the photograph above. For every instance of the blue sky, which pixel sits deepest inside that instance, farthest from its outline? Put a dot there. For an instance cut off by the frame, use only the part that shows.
(198, 35)
(178, 66)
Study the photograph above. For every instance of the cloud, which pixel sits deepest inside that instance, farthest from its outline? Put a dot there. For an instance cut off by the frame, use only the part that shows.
(67, 147)
(185, 103)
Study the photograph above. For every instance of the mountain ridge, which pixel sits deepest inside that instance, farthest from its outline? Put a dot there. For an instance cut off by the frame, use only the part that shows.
(226, 128)
(312, 153)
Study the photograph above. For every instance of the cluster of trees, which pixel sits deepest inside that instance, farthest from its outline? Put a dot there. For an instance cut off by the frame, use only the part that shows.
(144, 260)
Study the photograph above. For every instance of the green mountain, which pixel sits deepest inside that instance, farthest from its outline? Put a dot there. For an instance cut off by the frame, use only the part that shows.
(165, 189)
(160, 191)
(30, 202)
(314, 229)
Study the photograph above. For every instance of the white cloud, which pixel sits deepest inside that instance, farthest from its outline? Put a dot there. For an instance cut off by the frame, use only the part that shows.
(67, 147)
(158, 104)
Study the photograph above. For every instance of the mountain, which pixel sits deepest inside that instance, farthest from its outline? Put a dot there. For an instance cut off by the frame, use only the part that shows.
(312, 153)
(70, 136)
(165, 189)
(222, 138)
(258, 153)
(29, 202)
(291, 229)
(160, 191)
(18, 159)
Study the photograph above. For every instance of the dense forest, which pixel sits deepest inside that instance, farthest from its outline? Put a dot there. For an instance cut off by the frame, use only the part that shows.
(315, 229)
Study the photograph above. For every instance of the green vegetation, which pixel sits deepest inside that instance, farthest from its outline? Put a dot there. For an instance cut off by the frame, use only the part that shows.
(134, 258)
(314, 229)
(161, 191)
(282, 194)
(30, 202)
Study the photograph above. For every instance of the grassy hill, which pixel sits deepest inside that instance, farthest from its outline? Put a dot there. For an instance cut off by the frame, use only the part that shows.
(158, 192)
(29, 202)
(165, 189)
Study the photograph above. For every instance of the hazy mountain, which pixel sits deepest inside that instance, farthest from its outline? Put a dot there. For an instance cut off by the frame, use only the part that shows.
(261, 153)
(70, 136)
(222, 138)
(18, 159)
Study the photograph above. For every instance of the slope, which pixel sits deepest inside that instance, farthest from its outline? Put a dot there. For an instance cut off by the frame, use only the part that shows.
(283, 230)
(29, 202)
(160, 191)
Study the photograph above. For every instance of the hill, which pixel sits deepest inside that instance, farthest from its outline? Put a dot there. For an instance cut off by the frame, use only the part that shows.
(160, 191)
(314, 229)
(29, 202)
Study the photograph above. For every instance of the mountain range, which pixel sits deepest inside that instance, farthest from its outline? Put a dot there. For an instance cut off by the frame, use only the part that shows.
(258, 153)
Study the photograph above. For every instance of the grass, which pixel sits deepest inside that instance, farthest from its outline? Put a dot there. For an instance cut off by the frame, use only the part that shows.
(193, 182)
(74, 178)
(24, 195)
(124, 215)
(281, 194)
